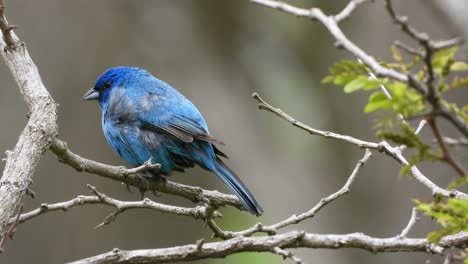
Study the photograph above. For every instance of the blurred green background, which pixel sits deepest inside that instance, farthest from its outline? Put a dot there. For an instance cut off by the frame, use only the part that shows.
(217, 53)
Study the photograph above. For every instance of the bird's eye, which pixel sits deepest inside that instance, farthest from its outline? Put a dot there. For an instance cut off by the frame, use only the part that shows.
(107, 85)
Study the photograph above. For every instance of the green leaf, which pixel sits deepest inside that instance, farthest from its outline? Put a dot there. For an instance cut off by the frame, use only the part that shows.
(396, 138)
(458, 182)
(396, 54)
(451, 215)
(456, 82)
(345, 71)
(459, 66)
(355, 85)
(377, 100)
(328, 79)
(455, 109)
(361, 82)
(443, 60)
(405, 100)
(441, 57)
(344, 79)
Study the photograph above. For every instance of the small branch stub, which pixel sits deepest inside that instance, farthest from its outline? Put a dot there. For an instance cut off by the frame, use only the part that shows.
(6, 29)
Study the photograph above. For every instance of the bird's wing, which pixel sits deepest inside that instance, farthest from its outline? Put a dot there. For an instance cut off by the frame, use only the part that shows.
(175, 115)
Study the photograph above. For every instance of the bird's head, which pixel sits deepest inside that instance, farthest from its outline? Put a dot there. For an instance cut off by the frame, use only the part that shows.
(110, 79)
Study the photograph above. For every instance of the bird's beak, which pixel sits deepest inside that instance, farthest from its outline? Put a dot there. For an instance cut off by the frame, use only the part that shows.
(92, 94)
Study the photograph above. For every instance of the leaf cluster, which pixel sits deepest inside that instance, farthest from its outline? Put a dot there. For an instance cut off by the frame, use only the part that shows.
(354, 76)
(449, 75)
(451, 215)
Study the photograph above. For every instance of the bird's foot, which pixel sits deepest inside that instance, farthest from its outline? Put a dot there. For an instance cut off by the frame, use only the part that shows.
(146, 181)
(145, 186)
(162, 179)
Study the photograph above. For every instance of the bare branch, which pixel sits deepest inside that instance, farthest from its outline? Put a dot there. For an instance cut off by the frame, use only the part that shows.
(456, 142)
(424, 41)
(147, 166)
(429, 48)
(410, 50)
(394, 152)
(287, 254)
(11, 230)
(121, 174)
(446, 155)
(293, 239)
(8, 36)
(41, 126)
(262, 104)
(295, 219)
(198, 212)
(447, 43)
(402, 21)
(413, 219)
(324, 201)
(346, 12)
(456, 121)
(331, 25)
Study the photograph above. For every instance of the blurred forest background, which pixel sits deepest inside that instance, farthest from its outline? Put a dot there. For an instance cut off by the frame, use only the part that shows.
(217, 53)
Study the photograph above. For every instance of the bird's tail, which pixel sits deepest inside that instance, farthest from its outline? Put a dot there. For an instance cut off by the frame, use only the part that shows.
(230, 179)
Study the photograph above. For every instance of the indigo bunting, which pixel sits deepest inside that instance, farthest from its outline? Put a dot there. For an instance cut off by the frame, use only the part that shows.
(145, 118)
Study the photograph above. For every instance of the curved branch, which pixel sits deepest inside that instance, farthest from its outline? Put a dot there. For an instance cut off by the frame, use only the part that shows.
(423, 40)
(346, 12)
(198, 212)
(262, 104)
(331, 24)
(394, 152)
(413, 219)
(293, 239)
(42, 124)
(446, 155)
(128, 176)
(294, 219)
(456, 142)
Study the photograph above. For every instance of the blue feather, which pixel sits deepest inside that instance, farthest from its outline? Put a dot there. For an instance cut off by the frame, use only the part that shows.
(144, 117)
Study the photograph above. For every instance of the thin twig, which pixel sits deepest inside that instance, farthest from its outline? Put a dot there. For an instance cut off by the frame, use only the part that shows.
(424, 41)
(331, 25)
(446, 155)
(413, 219)
(456, 142)
(11, 230)
(410, 50)
(6, 29)
(295, 219)
(198, 212)
(429, 49)
(286, 255)
(394, 152)
(262, 104)
(346, 12)
(147, 166)
(443, 44)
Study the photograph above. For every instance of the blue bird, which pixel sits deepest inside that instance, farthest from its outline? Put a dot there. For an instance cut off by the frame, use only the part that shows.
(145, 118)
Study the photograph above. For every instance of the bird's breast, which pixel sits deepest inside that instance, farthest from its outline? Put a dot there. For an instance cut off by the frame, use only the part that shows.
(121, 109)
